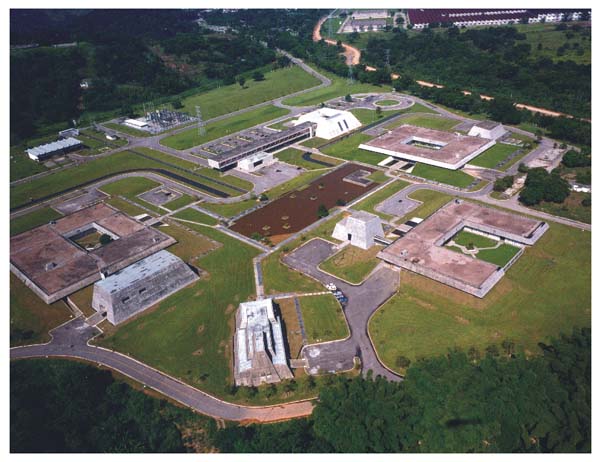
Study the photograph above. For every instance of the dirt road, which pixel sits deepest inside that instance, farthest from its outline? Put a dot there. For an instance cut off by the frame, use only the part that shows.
(351, 53)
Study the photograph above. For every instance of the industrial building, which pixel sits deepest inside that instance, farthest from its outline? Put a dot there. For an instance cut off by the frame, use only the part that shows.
(136, 123)
(488, 129)
(428, 146)
(330, 123)
(422, 18)
(259, 349)
(45, 151)
(273, 142)
(421, 250)
(59, 258)
(359, 229)
(141, 285)
(256, 162)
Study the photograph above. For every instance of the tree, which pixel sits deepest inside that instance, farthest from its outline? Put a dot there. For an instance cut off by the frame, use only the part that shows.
(378, 111)
(502, 184)
(241, 80)
(322, 211)
(177, 104)
(576, 159)
(258, 76)
(105, 239)
(348, 98)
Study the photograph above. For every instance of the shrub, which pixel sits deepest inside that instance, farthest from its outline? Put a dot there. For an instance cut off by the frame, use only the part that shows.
(402, 361)
(322, 212)
(105, 239)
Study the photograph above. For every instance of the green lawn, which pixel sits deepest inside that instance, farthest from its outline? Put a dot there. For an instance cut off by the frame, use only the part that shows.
(21, 166)
(570, 208)
(352, 264)
(468, 239)
(179, 202)
(456, 178)
(378, 177)
(90, 171)
(431, 201)
(281, 125)
(168, 158)
(230, 209)
(494, 155)
(30, 317)
(338, 87)
(32, 220)
(128, 130)
(347, 149)
(499, 256)
(194, 215)
(231, 98)
(190, 138)
(545, 293)
(387, 102)
(129, 187)
(323, 318)
(126, 207)
(279, 278)
(294, 157)
(189, 334)
(373, 200)
(367, 116)
(314, 142)
(426, 121)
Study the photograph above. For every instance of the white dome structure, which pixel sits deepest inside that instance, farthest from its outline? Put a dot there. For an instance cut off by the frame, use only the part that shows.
(330, 122)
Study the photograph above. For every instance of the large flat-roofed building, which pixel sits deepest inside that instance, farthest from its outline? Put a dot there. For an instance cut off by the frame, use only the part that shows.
(260, 355)
(330, 123)
(276, 140)
(428, 146)
(141, 285)
(56, 147)
(422, 250)
(63, 256)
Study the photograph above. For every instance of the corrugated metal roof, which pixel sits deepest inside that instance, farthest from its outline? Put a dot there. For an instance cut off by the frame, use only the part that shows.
(52, 147)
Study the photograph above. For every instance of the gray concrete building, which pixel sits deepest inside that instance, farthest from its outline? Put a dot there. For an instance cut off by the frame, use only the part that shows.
(259, 348)
(141, 285)
(359, 229)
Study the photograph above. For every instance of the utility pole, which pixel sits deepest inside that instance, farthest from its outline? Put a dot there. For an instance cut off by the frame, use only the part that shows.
(201, 127)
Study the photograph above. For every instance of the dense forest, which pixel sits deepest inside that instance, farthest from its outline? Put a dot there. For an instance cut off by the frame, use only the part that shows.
(492, 401)
(130, 57)
(495, 61)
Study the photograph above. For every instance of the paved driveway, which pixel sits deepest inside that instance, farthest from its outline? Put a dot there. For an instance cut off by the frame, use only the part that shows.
(363, 300)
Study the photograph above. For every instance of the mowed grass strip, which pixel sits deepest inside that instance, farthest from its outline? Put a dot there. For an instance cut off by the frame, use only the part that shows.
(470, 240)
(129, 187)
(190, 138)
(32, 220)
(426, 121)
(233, 97)
(347, 149)
(352, 264)
(456, 178)
(128, 130)
(545, 293)
(179, 202)
(194, 215)
(494, 155)
(323, 318)
(30, 317)
(431, 201)
(499, 256)
(127, 207)
(368, 204)
(90, 171)
(188, 335)
(295, 157)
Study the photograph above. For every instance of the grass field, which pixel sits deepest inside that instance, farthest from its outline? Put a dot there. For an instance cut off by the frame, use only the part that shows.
(129, 187)
(323, 318)
(545, 293)
(314, 142)
(570, 208)
(339, 87)
(22, 194)
(22, 166)
(294, 157)
(499, 256)
(471, 240)
(32, 220)
(456, 178)
(190, 138)
(387, 102)
(494, 155)
(179, 202)
(431, 201)
(168, 158)
(126, 207)
(367, 116)
(552, 39)
(373, 200)
(290, 320)
(352, 264)
(347, 149)
(83, 299)
(196, 216)
(128, 130)
(278, 278)
(231, 209)
(30, 317)
(189, 334)
(426, 121)
(231, 98)
(281, 125)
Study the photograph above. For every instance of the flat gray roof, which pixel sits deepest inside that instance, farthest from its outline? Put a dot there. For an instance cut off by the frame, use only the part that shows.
(52, 147)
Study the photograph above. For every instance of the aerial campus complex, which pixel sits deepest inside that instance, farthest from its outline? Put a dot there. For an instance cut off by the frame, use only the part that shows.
(240, 248)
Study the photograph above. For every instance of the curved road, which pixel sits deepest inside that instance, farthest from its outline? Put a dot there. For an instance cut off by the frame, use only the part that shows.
(71, 340)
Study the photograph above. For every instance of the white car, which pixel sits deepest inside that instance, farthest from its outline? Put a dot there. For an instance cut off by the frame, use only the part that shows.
(331, 286)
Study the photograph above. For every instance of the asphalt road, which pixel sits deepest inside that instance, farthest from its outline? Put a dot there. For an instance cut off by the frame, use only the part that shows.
(363, 300)
(71, 340)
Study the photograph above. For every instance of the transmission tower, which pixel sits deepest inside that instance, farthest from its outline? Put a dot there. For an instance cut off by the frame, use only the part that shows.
(350, 76)
(201, 127)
